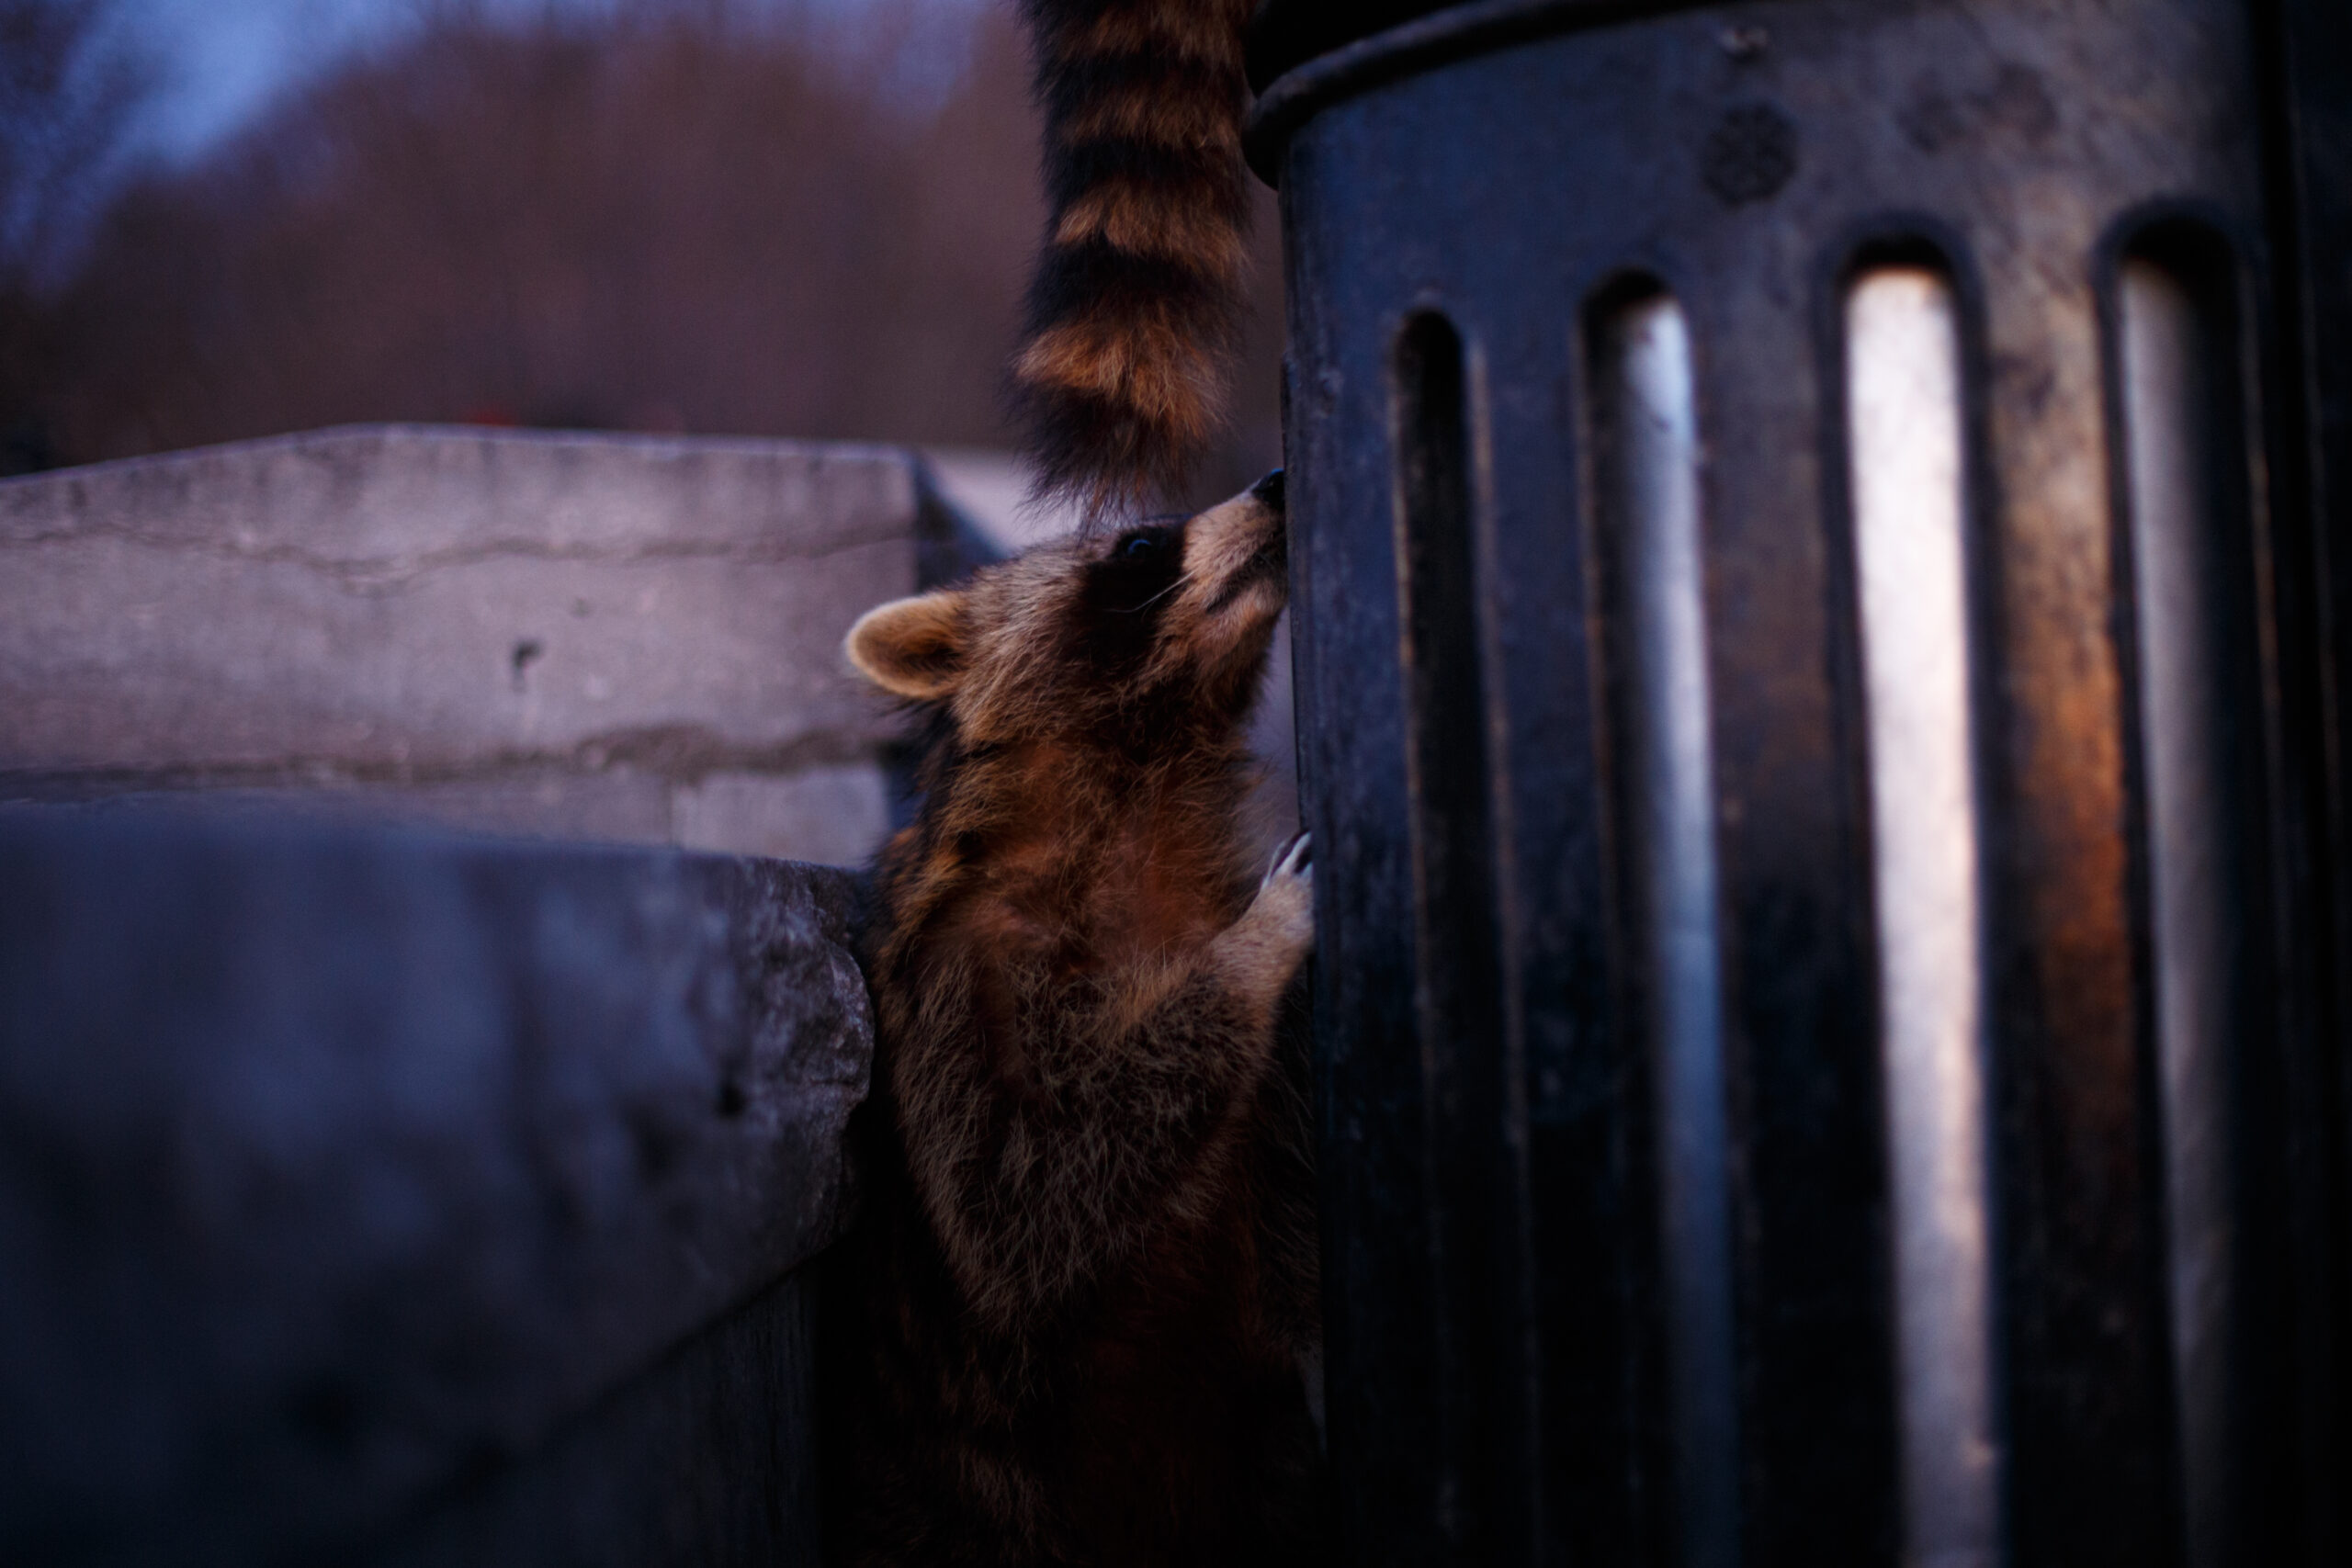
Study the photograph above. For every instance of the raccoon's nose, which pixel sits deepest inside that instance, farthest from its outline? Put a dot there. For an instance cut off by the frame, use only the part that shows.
(1268, 491)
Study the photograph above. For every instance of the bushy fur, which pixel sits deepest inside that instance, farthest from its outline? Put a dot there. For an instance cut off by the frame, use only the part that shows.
(1137, 295)
(1070, 1323)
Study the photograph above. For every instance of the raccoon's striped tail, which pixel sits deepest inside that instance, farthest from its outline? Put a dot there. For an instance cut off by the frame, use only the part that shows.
(1137, 298)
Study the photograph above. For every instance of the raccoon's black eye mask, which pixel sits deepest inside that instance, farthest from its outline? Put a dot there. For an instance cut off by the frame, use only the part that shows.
(1117, 612)
(1143, 565)
(1157, 535)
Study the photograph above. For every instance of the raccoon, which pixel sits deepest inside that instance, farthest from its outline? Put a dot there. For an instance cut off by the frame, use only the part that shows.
(1069, 1327)
(1138, 295)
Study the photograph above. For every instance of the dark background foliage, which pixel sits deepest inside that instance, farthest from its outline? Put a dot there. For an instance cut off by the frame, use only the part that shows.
(706, 215)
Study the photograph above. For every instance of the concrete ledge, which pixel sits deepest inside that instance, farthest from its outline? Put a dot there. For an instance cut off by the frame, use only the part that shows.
(340, 1169)
(707, 1460)
(446, 621)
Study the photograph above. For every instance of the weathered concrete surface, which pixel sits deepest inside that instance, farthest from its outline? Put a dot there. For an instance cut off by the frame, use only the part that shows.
(705, 1460)
(442, 621)
(832, 815)
(342, 1169)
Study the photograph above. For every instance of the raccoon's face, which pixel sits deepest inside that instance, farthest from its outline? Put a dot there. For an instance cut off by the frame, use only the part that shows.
(1142, 637)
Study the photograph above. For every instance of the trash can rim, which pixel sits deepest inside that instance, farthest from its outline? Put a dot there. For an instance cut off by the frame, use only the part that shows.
(1304, 88)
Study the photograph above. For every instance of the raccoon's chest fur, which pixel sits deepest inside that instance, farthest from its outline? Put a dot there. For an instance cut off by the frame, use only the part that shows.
(1112, 887)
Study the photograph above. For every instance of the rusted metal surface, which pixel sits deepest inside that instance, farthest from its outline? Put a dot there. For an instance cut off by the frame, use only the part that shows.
(1496, 174)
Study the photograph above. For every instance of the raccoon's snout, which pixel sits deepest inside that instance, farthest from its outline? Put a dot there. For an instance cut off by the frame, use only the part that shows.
(1272, 557)
(1243, 545)
(1271, 562)
(1268, 491)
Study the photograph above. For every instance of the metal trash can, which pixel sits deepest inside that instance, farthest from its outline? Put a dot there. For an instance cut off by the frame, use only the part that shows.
(1822, 555)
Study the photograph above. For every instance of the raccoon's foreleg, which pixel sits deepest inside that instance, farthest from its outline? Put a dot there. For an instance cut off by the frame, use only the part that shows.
(1126, 1119)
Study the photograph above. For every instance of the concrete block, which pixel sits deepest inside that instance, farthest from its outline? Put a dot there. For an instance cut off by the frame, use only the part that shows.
(419, 600)
(830, 816)
(341, 1169)
(432, 618)
(705, 1459)
(615, 804)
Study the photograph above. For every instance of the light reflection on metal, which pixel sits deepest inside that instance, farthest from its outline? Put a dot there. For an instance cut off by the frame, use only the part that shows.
(2170, 448)
(1909, 485)
(1649, 494)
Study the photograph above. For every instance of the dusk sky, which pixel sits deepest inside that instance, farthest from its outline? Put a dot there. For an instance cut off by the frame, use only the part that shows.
(224, 61)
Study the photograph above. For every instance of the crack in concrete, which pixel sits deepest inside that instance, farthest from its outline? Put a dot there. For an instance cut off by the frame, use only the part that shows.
(375, 574)
(674, 754)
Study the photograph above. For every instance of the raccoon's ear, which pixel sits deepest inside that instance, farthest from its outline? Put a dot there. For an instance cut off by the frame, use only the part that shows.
(911, 648)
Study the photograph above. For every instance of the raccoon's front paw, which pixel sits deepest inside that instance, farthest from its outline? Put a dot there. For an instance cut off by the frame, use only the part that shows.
(1260, 952)
(1285, 901)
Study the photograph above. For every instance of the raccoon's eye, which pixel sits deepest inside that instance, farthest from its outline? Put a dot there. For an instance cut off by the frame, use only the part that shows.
(1137, 573)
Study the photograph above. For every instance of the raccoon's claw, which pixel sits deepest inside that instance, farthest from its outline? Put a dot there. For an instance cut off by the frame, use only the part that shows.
(1284, 908)
(1296, 858)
